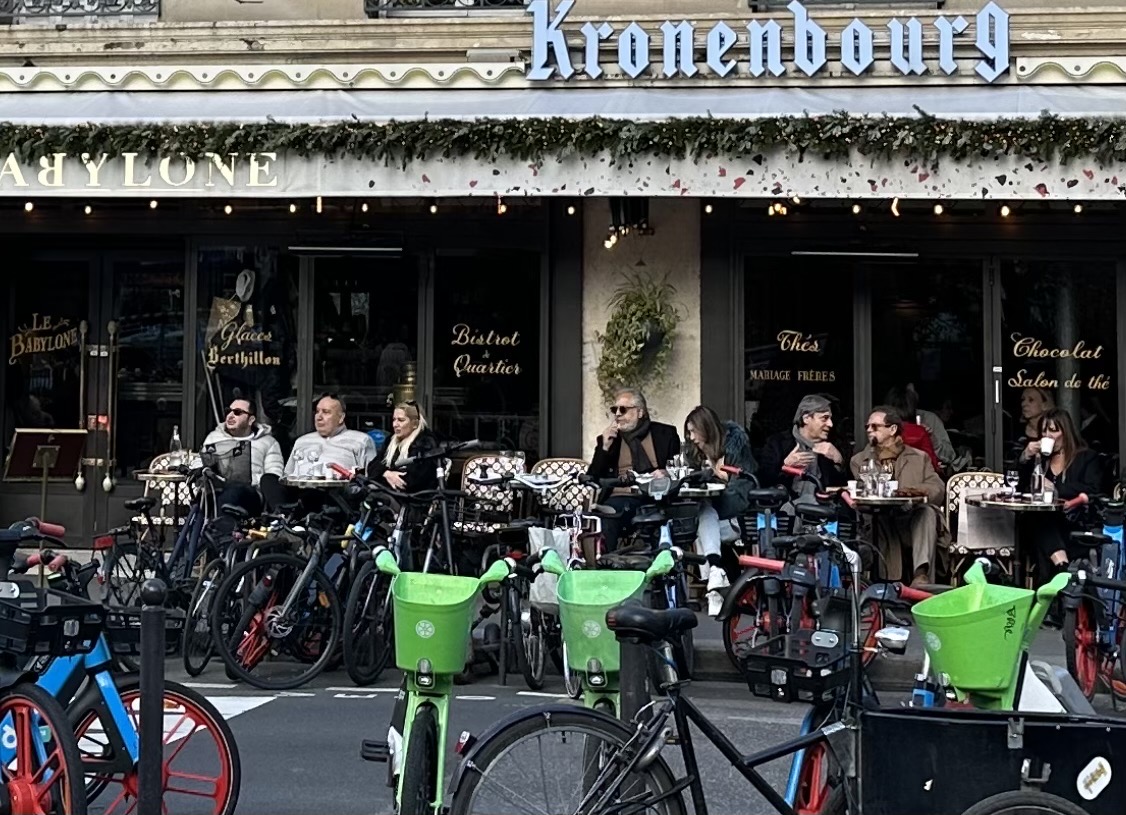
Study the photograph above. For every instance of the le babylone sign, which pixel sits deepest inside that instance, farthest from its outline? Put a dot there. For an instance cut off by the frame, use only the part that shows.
(673, 54)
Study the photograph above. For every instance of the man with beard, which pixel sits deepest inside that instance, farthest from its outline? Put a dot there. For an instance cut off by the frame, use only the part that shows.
(631, 442)
(920, 527)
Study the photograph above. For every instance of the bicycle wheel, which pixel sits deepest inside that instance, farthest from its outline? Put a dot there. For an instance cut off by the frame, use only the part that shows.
(44, 772)
(572, 736)
(196, 645)
(1081, 647)
(256, 592)
(368, 632)
(193, 730)
(1024, 802)
(572, 682)
(535, 648)
(420, 779)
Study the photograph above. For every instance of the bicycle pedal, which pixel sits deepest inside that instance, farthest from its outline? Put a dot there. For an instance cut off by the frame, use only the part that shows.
(375, 750)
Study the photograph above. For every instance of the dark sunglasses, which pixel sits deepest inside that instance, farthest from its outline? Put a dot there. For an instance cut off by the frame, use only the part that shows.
(619, 410)
(875, 426)
(238, 412)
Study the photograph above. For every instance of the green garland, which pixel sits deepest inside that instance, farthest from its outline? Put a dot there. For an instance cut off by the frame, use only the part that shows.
(923, 137)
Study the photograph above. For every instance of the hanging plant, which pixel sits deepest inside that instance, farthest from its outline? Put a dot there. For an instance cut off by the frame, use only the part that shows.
(639, 334)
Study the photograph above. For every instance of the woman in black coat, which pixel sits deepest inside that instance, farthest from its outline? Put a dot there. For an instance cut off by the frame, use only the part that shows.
(410, 438)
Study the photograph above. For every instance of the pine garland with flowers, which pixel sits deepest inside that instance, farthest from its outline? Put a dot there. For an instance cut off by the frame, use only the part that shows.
(834, 136)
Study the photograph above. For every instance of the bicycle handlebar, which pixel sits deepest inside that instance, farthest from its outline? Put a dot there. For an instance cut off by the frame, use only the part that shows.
(52, 530)
(472, 444)
(1080, 500)
(32, 530)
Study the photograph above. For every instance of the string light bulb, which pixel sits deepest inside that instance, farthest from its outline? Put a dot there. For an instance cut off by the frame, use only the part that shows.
(938, 210)
(1005, 211)
(708, 209)
(571, 210)
(796, 199)
(28, 207)
(153, 204)
(292, 208)
(433, 209)
(364, 206)
(320, 205)
(1078, 209)
(501, 206)
(895, 207)
(856, 209)
(88, 209)
(228, 209)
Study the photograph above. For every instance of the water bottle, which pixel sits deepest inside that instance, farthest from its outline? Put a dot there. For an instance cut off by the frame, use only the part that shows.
(175, 449)
(1037, 487)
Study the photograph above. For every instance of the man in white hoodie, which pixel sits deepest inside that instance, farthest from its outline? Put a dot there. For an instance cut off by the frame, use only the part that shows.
(229, 441)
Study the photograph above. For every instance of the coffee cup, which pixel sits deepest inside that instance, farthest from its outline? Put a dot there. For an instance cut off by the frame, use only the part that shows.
(1047, 445)
(851, 486)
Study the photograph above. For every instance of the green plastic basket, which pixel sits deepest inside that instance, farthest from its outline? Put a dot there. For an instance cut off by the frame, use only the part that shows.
(974, 634)
(584, 599)
(433, 615)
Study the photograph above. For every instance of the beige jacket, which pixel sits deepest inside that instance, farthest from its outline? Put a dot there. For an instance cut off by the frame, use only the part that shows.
(913, 470)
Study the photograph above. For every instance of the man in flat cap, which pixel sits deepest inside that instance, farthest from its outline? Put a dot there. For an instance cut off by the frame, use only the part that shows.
(805, 446)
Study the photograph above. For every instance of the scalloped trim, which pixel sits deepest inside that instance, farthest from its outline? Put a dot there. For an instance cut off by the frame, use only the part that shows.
(1079, 68)
(243, 77)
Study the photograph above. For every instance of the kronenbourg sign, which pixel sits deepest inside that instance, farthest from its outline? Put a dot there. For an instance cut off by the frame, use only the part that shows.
(811, 52)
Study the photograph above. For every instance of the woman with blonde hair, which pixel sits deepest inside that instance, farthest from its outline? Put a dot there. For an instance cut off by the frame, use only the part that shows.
(410, 438)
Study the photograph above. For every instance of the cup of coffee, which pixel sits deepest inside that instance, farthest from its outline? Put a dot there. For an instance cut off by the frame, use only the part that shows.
(1047, 445)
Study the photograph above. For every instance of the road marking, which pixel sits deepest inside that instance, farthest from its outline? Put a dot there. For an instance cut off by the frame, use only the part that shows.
(476, 698)
(292, 694)
(354, 688)
(209, 685)
(354, 696)
(541, 694)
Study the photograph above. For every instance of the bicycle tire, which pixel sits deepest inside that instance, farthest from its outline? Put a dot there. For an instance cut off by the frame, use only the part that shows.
(382, 642)
(1081, 663)
(536, 639)
(197, 648)
(90, 703)
(71, 798)
(1024, 802)
(572, 681)
(420, 778)
(314, 667)
(497, 746)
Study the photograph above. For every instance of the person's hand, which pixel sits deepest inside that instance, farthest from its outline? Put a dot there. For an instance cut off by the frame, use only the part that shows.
(824, 448)
(395, 480)
(608, 436)
(1032, 449)
(798, 459)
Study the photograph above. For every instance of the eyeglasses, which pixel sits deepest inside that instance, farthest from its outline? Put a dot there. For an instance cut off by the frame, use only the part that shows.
(875, 426)
(621, 410)
(238, 412)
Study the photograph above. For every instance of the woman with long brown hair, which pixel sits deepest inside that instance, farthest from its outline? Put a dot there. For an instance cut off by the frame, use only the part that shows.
(1070, 470)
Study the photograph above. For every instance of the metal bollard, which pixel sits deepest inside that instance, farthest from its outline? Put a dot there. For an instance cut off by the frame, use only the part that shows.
(150, 769)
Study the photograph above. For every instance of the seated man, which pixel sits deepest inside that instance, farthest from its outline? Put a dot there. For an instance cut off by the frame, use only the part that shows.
(804, 446)
(330, 443)
(241, 434)
(631, 442)
(921, 527)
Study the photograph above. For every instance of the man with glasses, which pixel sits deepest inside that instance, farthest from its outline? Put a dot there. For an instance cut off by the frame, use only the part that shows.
(920, 527)
(248, 456)
(330, 443)
(630, 442)
(804, 446)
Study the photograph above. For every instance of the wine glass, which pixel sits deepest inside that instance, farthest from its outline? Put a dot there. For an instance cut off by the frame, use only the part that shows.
(1012, 478)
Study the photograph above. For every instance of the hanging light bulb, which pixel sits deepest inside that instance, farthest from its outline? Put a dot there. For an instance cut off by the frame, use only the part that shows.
(938, 210)
(708, 209)
(1005, 211)
(433, 209)
(571, 210)
(292, 208)
(320, 205)
(770, 210)
(856, 209)
(364, 206)
(88, 209)
(153, 204)
(796, 199)
(28, 207)
(228, 209)
(501, 206)
(1078, 209)
(895, 207)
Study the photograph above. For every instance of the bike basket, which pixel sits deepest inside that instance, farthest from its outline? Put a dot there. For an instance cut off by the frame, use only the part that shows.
(123, 629)
(813, 669)
(433, 614)
(46, 622)
(974, 634)
(584, 599)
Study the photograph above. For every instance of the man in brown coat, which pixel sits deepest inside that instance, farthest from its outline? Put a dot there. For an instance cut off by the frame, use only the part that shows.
(921, 527)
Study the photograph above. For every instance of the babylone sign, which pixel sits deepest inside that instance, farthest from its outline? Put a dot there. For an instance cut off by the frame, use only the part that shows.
(813, 50)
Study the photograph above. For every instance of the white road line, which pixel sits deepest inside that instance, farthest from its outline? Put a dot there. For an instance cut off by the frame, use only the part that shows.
(209, 685)
(354, 696)
(355, 688)
(293, 694)
(476, 698)
(541, 694)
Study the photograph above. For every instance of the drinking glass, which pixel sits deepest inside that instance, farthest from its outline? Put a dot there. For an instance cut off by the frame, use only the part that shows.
(1012, 478)
(519, 458)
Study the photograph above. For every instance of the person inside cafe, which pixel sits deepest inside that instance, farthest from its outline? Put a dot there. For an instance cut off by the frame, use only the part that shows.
(1070, 470)
(714, 444)
(918, 528)
(241, 434)
(911, 431)
(805, 446)
(332, 442)
(632, 441)
(410, 438)
(1034, 403)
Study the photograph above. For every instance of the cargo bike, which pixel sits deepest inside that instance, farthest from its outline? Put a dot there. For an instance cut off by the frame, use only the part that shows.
(982, 759)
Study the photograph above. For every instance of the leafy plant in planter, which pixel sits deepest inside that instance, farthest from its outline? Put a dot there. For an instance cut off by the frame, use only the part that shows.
(639, 334)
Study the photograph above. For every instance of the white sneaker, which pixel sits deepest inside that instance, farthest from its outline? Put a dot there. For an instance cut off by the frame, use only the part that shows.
(717, 579)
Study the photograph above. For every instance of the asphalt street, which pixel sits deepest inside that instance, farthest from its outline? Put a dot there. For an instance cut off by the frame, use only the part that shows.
(300, 750)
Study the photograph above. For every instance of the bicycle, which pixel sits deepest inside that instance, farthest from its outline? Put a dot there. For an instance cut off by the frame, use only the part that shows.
(432, 618)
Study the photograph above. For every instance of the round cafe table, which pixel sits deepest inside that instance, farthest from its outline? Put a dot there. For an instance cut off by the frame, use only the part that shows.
(1016, 504)
(891, 505)
(310, 483)
(702, 491)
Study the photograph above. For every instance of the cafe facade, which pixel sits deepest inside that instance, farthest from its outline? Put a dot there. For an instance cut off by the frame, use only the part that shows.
(442, 205)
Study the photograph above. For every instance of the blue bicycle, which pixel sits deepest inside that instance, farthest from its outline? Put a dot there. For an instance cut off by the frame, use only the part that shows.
(103, 711)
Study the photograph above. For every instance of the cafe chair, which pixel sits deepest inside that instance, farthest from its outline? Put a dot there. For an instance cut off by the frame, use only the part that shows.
(173, 498)
(967, 541)
(571, 497)
(485, 508)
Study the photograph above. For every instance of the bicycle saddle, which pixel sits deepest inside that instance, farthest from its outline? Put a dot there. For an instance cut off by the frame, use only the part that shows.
(603, 511)
(1090, 538)
(772, 497)
(816, 512)
(632, 620)
(140, 504)
(235, 511)
(649, 517)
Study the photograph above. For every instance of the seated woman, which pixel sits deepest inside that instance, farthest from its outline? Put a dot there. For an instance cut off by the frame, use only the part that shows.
(713, 444)
(410, 438)
(1070, 470)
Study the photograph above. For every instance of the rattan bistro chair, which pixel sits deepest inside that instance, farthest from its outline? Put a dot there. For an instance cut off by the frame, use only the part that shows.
(487, 507)
(173, 498)
(573, 496)
(964, 549)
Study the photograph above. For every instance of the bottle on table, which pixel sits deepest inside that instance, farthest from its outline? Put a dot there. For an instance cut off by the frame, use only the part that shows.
(175, 448)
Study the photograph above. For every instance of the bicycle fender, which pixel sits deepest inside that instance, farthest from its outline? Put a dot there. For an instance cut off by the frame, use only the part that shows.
(735, 592)
(514, 718)
(9, 677)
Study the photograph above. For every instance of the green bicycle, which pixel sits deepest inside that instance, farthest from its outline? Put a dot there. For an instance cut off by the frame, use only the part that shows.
(433, 614)
(590, 649)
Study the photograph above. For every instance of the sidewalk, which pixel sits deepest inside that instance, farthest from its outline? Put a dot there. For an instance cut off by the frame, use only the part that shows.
(888, 673)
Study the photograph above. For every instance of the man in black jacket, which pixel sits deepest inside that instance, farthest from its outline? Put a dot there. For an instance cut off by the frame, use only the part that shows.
(631, 442)
(804, 446)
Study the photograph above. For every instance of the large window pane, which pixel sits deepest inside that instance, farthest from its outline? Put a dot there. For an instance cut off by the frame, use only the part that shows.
(927, 333)
(486, 348)
(366, 335)
(247, 337)
(44, 310)
(1060, 347)
(797, 341)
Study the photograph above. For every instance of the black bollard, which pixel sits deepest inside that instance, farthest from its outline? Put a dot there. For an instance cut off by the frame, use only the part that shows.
(150, 769)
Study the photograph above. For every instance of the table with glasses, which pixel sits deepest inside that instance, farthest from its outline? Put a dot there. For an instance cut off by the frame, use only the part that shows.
(876, 505)
(1016, 503)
